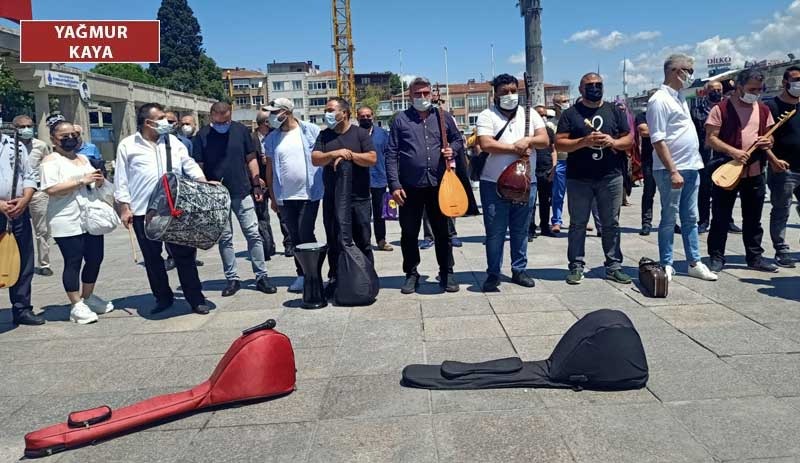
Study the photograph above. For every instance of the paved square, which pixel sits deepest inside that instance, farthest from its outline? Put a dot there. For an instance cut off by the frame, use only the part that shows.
(724, 362)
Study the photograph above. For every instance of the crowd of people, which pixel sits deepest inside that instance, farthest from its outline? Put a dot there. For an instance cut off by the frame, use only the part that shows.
(287, 166)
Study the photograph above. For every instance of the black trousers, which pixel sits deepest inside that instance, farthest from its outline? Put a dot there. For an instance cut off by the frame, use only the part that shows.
(648, 194)
(300, 217)
(427, 233)
(185, 261)
(377, 213)
(544, 193)
(706, 184)
(86, 250)
(419, 200)
(752, 191)
(20, 293)
(264, 227)
(362, 235)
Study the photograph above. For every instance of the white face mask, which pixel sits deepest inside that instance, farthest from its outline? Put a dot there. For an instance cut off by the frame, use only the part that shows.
(276, 121)
(26, 133)
(330, 120)
(564, 106)
(687, 81)
(187, 130)
(750, 98)
(162, 127)
(794, 89)
(422, 104)
(509, 102)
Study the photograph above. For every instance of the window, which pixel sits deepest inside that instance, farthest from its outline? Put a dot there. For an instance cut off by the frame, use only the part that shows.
(365, 81)
(254, 84)
(298, 102)
(317, 101)
(473, 119)
(242, 101)
(332, 85)
(457, 102)
(460, 120)
(477, 102)
(312, 119)
(297, 85)
(241, 84)
(317, 85)
(277, 86)
(397, 105)
(258, 100)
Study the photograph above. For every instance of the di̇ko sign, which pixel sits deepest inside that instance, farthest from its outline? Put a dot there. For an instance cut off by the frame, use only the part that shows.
(90, 42)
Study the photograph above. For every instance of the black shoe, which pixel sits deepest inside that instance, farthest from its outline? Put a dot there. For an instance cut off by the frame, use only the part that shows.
(169, 264)
(448, 283)
(677, 229)
(531, 237)
(491, 284)
(702, 228)
(45, 272)
(265, 286)
(162, 306)
(523, 279)
(201, 309)
(411, 284)
(645, 231)
(762, 265)
(232, 287)
(785, 261)
(288, 252)
(199, 263)
(547, 232)
(715, 264)
(27, 317)
(733, 228)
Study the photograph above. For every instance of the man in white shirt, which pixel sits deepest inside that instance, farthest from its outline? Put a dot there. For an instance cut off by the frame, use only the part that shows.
(513, 144)
(676, 168)
(14, 208)
(141, 161)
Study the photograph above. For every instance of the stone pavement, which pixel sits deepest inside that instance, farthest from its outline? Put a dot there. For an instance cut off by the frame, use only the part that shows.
(724, 363)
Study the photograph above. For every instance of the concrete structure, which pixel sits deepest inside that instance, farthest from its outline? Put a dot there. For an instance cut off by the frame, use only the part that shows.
(380, 80)
(122, 96)
(288, 80)
(248, 93)
(319, 88)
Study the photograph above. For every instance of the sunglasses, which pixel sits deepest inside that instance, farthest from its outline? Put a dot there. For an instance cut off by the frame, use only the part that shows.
(593, 85)
(689, 71)
(172, 122)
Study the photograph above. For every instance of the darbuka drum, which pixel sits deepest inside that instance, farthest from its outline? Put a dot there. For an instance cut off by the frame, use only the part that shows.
(311, 256)
(185, 212)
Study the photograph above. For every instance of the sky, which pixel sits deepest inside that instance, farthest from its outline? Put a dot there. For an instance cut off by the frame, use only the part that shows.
(578, 35)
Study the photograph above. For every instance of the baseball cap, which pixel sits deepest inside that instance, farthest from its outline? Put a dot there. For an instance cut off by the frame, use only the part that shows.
(280, 104)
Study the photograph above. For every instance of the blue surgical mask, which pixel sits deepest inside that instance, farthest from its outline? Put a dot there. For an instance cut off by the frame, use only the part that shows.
(330, 120)
(221, 128)
(26, 133)
(163, 127)
(421, 104)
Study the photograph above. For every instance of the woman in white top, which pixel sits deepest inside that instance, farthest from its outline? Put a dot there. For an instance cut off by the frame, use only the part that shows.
(66, 177)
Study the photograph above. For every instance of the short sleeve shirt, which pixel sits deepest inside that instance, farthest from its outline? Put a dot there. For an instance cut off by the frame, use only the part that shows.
(490, 122)
(593, 163)
(356, 140)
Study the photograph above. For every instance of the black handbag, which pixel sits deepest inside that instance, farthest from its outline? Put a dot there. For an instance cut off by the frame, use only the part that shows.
(477, 163)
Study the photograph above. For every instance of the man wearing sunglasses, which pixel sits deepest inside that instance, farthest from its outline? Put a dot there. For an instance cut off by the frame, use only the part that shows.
(596, 135)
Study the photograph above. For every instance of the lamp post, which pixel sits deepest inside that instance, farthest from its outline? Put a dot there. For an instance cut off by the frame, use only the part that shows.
(402, 84)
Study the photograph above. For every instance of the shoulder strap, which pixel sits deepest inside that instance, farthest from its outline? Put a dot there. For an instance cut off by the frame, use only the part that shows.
(502, 131)
(169, 152)
(17, 160)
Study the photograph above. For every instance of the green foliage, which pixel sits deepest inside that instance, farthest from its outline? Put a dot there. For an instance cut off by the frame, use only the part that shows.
(372, 96)
(127, 71)
(396, 85)
(13, 100)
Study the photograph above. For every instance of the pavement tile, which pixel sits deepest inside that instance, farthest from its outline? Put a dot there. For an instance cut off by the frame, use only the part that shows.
(699, 316)
(678, 294)
(315, 363)
(361, 332)
(504, 303)
(515, 436)
(449, 328)
(144, 447)
(371, 397)
(698, 380)
(282, 442)
(777, 373)
(484, 400)
(455, 307)
(376, 357)
(635, 433)
(537, 323)
(407, 439)
(387, 310)
(468, 350)
(567, 398)
(740, 339)
(605, 298)
(532, 348)
(753, 427)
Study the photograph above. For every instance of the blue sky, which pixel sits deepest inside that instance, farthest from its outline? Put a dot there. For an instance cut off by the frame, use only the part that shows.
(578, 35)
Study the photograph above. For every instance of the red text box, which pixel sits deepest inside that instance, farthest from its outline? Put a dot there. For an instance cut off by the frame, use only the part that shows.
(90, 42)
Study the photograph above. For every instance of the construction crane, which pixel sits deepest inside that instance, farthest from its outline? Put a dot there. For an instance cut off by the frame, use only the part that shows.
(343, 48)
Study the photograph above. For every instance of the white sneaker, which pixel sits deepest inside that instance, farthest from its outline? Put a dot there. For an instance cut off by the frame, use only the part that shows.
(297, 286)
(82, 314)
(702, 272)
(98, 305)
(670, 271)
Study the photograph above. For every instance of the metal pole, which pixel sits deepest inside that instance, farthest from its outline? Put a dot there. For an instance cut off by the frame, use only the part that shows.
(531, 10)
(446, 76)
(402, 84)
(493, 74)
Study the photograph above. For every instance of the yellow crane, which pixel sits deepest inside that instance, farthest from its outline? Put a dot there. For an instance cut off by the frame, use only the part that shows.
(343, 48)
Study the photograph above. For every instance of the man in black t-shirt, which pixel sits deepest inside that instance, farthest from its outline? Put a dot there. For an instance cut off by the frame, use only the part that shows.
(784, 184)
(596, 135)
(343, 141)
(649, 192)
(227, 154)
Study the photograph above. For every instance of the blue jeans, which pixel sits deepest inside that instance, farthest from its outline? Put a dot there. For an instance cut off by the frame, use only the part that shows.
(674, 202)
(559, 190)
(245, 211)
(781, 188)
(582, 193)
(500, 215)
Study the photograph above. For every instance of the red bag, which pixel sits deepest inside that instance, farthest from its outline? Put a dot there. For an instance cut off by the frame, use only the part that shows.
(259, 364)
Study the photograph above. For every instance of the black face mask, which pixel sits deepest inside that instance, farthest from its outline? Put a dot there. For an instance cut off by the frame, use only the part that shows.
(365, 123)
(715, 96)
(594, 93)
(69, 144)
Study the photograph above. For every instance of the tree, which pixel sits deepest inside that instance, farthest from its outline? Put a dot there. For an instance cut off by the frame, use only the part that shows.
(13, 100)
(127, 71)
(395, 84)
(372, 96)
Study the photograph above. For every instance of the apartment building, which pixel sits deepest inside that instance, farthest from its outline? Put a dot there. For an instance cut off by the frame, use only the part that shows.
(288, 80)
(319, 88)
(248, 91)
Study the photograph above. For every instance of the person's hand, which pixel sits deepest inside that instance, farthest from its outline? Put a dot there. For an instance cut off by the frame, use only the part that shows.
(336, 163)
(262, 183)
(552, 174)
(447, 153)
(126, 217)
(274, 206)
(92, 177)
(344, 154)
(779, 166)
(4, 207)
(764, 143)
(740, 156)
(258, 193)
(212, 182)
(604, 140)
(15, 207)
(399, 196)
(677, 180)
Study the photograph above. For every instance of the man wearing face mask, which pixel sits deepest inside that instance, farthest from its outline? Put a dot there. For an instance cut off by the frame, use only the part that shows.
(188, 126)
(415, 164)
(141, 161)
(293, 181)
(501, 133)
(784, 177)
(377, 174)
(732, 128)
(713, 96)
(676, 168)
(37, 150)
(227, 154)
(342, 141)
(594, 172)
(560, 104)
(172, 118)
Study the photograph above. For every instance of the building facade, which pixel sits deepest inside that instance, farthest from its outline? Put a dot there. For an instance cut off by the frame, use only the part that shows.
(248, 92)
(378, 80)
(288, 80)
(319, 88)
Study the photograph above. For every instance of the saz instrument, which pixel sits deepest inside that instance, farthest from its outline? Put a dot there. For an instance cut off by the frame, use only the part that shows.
(9, 250)
(453, 200)
(727, 176)
(514, 183)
